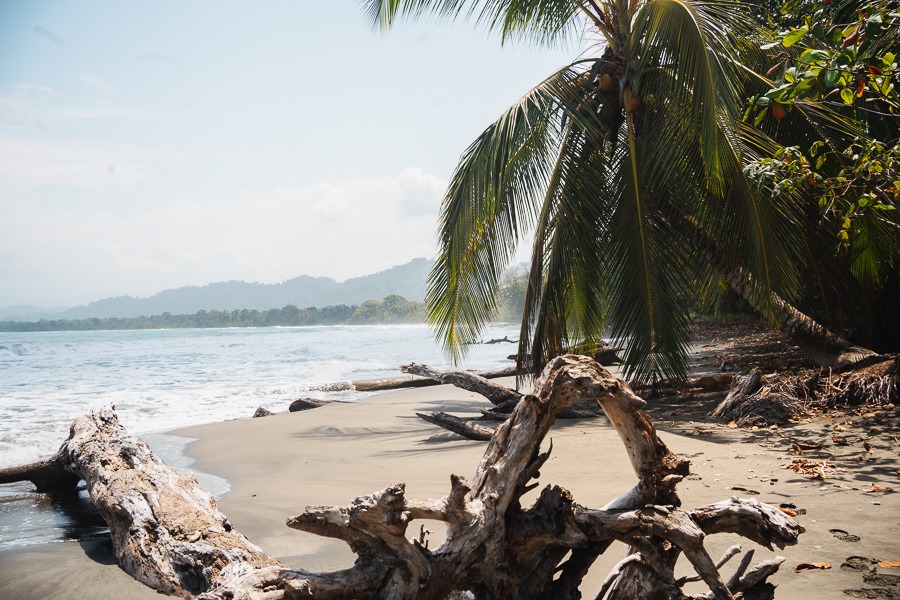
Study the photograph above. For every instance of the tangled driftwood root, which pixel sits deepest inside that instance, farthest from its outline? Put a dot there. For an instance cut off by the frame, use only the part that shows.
(762, 410)
(168, 533)
(755, 399)
(877, 384)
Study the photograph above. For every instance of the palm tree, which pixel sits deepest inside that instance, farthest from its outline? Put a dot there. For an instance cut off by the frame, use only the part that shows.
(616, 162)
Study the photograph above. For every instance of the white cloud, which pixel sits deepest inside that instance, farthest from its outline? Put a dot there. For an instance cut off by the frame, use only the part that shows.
(339, 229)
(32, 105)
(27, 163)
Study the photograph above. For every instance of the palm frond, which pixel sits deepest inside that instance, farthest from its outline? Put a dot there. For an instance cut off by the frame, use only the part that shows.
(544, 22)
(492, 199)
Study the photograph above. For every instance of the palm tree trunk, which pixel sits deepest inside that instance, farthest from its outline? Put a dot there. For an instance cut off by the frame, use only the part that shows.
(824, 347)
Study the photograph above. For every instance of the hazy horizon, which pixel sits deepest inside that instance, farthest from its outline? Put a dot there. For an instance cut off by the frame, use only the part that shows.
(4, 309)
(146, 147)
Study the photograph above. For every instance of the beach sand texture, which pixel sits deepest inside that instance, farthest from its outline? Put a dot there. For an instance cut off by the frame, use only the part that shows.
(278, 465)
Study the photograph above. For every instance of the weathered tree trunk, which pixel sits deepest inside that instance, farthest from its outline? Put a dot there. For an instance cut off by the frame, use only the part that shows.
(824, 347)
(741, 389)
(166, 531)
(392, 383)
(168, 534)
(472, 382)
(396, 383)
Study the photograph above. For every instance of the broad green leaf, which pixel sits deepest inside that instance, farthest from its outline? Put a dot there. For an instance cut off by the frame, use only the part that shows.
(792, 37)
(810, 56)
(847, 95)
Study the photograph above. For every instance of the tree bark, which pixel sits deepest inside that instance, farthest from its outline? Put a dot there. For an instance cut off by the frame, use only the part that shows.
(167, 533)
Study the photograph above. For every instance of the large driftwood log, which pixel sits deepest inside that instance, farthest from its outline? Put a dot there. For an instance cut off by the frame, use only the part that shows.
(471, 382)
(396, 383)
(168, 533)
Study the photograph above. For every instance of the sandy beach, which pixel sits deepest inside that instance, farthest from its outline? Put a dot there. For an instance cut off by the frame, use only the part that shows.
(278, 465)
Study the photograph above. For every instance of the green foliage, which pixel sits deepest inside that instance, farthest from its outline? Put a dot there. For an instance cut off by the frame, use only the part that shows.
(394, 309)
(511, 296)
(840, 55)
(857, 191)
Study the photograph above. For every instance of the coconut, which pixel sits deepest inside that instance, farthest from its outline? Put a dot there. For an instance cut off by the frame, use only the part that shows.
(606, 82)
(633, 105)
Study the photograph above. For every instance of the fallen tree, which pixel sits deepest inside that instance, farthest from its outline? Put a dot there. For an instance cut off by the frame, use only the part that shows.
(167, 532)
(497, 394)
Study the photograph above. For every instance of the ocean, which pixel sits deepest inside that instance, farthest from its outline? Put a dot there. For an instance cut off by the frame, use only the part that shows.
(165, 379)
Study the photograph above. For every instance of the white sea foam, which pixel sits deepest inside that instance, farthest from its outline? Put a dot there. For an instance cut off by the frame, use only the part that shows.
(164, 379)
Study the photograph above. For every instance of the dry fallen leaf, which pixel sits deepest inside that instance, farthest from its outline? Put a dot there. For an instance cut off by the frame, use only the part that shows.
(816, 470)
(888, 565)
(788, 512)
(815, 565)
(732, 425)
(800, 448)
(883, 489)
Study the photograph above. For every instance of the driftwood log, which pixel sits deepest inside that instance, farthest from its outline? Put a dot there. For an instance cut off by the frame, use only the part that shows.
(463, 427)
(473, 382)
(168, 533)
(396, 383)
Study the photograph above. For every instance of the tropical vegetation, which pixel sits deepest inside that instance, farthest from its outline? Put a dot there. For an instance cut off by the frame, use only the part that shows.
(629, 166)
(393, 309)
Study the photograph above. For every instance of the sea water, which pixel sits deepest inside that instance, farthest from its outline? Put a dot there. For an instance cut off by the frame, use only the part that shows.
(160, 380)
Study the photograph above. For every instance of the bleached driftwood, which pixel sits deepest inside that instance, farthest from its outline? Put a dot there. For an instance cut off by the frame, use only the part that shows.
(472, 382)
(168, 534)
(396, 383)
(166, 531)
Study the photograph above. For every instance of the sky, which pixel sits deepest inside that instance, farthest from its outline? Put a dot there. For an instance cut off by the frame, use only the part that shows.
(147, 145)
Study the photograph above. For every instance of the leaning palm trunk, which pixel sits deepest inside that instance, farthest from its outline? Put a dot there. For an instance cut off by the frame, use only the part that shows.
(824, 347)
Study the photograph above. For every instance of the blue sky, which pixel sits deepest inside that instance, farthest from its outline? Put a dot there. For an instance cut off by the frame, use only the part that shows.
(148, 145)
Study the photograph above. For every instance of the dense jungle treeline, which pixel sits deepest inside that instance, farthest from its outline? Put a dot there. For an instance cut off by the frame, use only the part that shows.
(393, 309)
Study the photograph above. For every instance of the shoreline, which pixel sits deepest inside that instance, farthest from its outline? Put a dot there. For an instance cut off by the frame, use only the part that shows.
(277, 465)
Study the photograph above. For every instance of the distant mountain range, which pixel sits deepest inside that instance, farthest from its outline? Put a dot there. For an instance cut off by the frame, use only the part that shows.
(304, 291)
